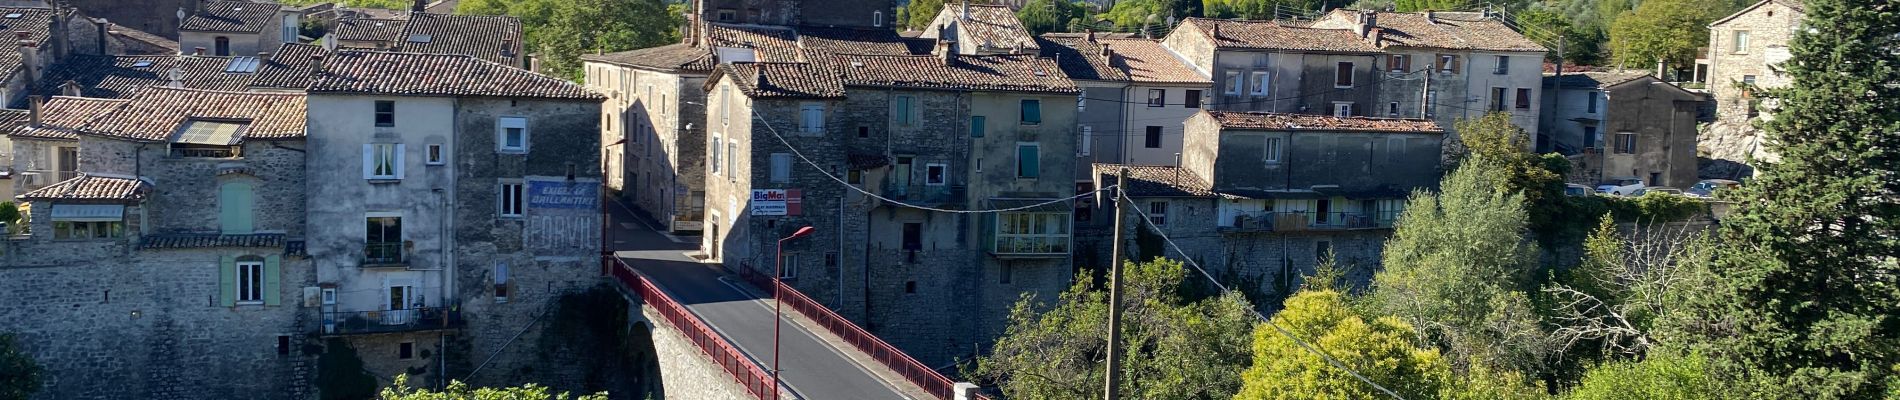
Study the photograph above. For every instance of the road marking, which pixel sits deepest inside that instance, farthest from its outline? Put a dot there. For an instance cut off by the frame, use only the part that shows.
(814, 337)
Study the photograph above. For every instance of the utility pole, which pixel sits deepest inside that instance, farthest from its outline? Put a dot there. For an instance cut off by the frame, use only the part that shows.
(1556, 91)
(1113, 392)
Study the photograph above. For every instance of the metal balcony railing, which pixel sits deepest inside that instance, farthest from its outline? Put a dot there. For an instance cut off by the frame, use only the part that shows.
(386, 321)
(925, 194)
(1308, 220)
(384, 253)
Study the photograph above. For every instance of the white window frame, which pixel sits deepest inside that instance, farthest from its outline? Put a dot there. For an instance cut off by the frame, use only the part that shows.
(502, 124)
(788, 268)
(943, 174)
(382, 161)
(432, 155)
(511, 199)
(1053, 239)
(1087, 139)
(1503, 67)
(1392, 109)
(250, 282)
(1738, 42)
(1157, 97)
(1233, 83)
(877, 19)
(1271, 149)
(1342, 109)
(1261, 82)
(781, 168)
(811, 118)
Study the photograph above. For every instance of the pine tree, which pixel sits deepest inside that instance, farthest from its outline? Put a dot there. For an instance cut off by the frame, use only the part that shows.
(1811, 289)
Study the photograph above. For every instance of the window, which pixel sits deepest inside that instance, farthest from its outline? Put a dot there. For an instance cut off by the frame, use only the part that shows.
(385, 113)
(1032, 233)
(1447, 63)
(501, 282)
(1158, 213)
(1272, 149)
(910, 287)
(977, 123)
(1394, 149)
(935, 174)
(1504, 66)
(727, 15)
(732, 155)
(1523, 98)
(511, 199)
(383, 242)
(781, 167)
(1592, 96)
(1497, 99)
(1157, 97)
(1233, 83)
(913, 236)
(1590, 136)
(221, 46)
(1342, 109)
(88, 229)
(1153, 141)
(1323, 210)
(287, 30)
(1322, 250)
(903, 110)
(1342, 75)
(1260, 83)
(1625, 142)
(512, 134)
(1748, 79)
(1032, 111)
(864, 131)
(713, 158)
(1193, 99)
(434, 155)
(1028, 160)
(1741, 42)
(382, 161)
(1392, 109)
(1086, 139)
(234, 207)
(1081, 102)
(877, 18)
(831, 260)
(788, 267)
(901, 172)
(811, 118)
(405, 350)
(250, 281)
(1398, 63)
(725, 105)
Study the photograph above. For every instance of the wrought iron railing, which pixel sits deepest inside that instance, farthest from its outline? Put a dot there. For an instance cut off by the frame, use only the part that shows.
(383, 253)
(385, 321)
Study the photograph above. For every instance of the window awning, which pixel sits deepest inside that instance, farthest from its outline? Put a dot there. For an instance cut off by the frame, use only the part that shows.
(89, 212)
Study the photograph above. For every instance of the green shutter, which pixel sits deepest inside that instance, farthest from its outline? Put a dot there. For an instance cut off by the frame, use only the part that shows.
(227, 281)
(273, 293)
(976, 126)
(234, 207)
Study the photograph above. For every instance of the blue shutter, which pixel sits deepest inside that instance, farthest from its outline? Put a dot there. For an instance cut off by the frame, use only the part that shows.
(1028, 161)
(976, 126)
(273, 290)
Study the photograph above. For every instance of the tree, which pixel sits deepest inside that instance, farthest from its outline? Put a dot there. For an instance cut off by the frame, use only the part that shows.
(561, 30)
(1380, 349)
(1042, 16)
(1176, 349)
(1550, 27)
(1613, 299)
(1433, 5)
(19, 375)
(457, 390)
(1809, 284)
(1457, 268)
(1667, 31)
(1141, 16)
(920, 13)
(1659, 377)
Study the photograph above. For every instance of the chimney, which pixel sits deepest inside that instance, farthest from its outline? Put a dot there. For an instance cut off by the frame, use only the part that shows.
(1372, 22)
(507, 47)
(71, 89)
(758, 76)
(29, 59)
(1089, 35)
(947, 51)
(1377, 36)
(965, 15)
(57, 35)
(263, 56)
(198, 51)
(316, 64)
(102, 23)
(175, 77)
(33, 109)
(197, 7)
(1431, 17)
(1216, 30)
(420, 6)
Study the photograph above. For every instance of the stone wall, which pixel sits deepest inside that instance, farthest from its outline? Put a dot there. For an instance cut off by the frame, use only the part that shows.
(686, 372)
(1770, 27)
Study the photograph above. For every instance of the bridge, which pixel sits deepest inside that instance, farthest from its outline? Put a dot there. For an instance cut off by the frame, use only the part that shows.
(713, 331)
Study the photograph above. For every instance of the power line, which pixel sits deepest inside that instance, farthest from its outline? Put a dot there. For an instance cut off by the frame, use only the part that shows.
(1224, 289)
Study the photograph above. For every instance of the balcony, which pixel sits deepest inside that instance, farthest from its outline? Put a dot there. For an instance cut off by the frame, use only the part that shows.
(385, 254)
(926, 194)
(1290, 221)
(389, 321)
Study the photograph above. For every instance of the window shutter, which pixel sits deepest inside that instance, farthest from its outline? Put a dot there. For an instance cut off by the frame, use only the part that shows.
(273, 293)
(369, 161)
(399, 154)
(227, 281)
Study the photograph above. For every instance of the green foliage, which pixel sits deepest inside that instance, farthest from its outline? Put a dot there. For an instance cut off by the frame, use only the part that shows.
(1662, 30)
(19, 375)
(1042, 16)
(457, 390)
(1538, 178)
(1659, 377)
(1809, 288)
(1457, 268)
(1175, 349)
(1434, 5)
(1552, 28)
(9, 213)
(1655, 207)
(1381, 349)
(559, 31)
(340, 373)
(1139, 16)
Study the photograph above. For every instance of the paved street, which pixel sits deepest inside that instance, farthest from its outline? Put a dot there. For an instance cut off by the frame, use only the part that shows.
(813, 369)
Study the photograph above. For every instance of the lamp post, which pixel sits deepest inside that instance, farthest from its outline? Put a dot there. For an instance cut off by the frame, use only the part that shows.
(778, 270)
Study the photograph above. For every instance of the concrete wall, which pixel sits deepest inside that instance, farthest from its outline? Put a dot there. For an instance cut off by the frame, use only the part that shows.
(1770, 28)
(662, 163)
(158, 17)
(1302, 83)
(1274, 261)
(1561, 126)
(761, 12)
(1104, 117)
(848, 13)
(1170, 117)
(1355, 162)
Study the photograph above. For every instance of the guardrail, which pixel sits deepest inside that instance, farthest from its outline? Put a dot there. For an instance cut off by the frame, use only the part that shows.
(742, 369)
(916, 372)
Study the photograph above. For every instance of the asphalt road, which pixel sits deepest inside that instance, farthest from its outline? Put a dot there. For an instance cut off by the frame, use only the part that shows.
(813, 369)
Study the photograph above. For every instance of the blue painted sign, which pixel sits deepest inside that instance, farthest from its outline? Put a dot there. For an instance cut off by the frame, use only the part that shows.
(563, 194)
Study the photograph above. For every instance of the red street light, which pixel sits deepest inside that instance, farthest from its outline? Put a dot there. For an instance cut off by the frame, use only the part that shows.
(778, 270)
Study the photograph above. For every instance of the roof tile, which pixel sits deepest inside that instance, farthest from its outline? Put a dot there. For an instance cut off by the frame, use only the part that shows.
(1010, 72)
(1444, 30)
(231, 16)
(672, 57)
(61, 117)
(1157, 180)
(1305, 122)
(783, 80)
(92, 187)
(494, 38)
(155, 114)
(120, 76)
(413, 74)
(1272, 35)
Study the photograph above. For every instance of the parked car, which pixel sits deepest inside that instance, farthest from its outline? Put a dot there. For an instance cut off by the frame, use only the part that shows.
(1707, 187)
(1621, 187)
(1656, 189)
(1575, 190)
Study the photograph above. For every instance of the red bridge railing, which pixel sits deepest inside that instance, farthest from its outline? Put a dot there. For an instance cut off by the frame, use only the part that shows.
(743, 369)
(916, 372)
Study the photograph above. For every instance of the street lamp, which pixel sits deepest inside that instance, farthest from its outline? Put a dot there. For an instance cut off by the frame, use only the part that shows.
(778, 270)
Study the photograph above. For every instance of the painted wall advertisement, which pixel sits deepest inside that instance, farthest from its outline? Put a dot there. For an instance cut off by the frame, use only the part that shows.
(776, 202)
(563, 216)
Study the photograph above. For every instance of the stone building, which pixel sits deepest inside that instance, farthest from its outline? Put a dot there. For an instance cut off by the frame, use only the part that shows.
(1261, 198)
(944, 131)
(1622, 125)
(494, 38)
(1472, 63)
(233, 27)
(1140, 94)
(1746, 49)
(1268, 66)
(982, 29)
(173, 257)
(473, 231)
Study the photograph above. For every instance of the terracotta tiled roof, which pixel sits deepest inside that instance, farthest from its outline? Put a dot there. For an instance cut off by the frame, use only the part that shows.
(1146, 61)
(125, 33)
(769, 44)
(155, 114)
(1593, 79)
(12, 121)
(1305, 122)
(369, 29)
(995, 26)
(494, 38)
(118, 77)
(672, 57)
(288, 68)
(1019, 72)
(33, 21)
(92, 187)
(1444, 30)
(781, 80)
(1157, 180)
(61, 116)
(1271, 35)
(1098, 35)
(202, 240)
(857, 41)
(412, 74)
(231, 16)
(1081, 59)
